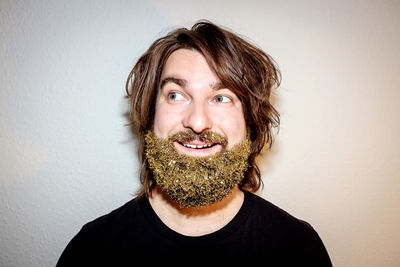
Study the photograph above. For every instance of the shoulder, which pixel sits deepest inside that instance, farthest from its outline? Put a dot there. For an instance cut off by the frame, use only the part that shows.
(286, 234)
(278, 222)
(99, 237)
(120, 216)
(272, 216)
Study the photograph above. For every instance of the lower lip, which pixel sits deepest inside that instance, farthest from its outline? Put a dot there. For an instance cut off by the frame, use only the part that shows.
(197, 152)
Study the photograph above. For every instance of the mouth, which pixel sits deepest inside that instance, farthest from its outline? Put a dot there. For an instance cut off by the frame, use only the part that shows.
(197, 146)
(197, 149)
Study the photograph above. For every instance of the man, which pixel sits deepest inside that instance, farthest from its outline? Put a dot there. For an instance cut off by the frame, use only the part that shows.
(200, 102)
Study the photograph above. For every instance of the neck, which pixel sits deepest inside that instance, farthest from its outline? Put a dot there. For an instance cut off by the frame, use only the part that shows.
(199, 220)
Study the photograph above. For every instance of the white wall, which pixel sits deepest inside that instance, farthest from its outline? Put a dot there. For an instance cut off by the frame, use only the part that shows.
(66, 156)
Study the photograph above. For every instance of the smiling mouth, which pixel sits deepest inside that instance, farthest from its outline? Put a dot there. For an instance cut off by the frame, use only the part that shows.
(202, 144)
(197, 146)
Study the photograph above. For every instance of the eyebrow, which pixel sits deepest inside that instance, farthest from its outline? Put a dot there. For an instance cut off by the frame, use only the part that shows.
(170, 79)
(183, 83)
(217, 86)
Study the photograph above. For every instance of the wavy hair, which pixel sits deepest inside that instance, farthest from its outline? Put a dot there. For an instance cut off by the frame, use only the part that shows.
(241, 66)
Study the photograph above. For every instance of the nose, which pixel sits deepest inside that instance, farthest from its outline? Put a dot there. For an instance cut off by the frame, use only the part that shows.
(197, 118)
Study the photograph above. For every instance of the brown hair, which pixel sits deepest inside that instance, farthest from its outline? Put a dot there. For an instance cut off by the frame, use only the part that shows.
(241, 66)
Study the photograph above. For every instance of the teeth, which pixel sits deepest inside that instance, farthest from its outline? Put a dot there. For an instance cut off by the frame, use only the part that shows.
(194, 146)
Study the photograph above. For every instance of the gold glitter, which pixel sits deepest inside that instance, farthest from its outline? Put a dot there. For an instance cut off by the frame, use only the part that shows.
(207, 136)
(196, 181)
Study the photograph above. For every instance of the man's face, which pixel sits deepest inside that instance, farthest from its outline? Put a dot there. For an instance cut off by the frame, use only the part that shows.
(191, 97)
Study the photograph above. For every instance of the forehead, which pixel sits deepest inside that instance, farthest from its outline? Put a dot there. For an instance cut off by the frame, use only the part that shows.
(189, 66)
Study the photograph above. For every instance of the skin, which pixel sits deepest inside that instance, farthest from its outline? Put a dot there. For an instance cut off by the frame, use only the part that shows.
(191, 96)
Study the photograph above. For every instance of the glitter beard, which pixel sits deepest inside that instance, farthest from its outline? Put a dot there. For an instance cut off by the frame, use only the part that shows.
(196, 181)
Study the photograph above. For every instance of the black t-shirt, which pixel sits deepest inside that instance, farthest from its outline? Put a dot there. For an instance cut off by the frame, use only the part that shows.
(133, 235)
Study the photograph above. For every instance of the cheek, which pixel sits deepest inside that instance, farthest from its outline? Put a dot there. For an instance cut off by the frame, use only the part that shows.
(165, 121)
(233, 125)
(160, 125)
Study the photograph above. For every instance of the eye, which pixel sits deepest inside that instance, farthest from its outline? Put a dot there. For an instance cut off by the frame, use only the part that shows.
(222, 99)
(175, 96)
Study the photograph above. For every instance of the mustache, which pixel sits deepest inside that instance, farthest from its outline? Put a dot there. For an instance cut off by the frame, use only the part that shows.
(206, 136)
